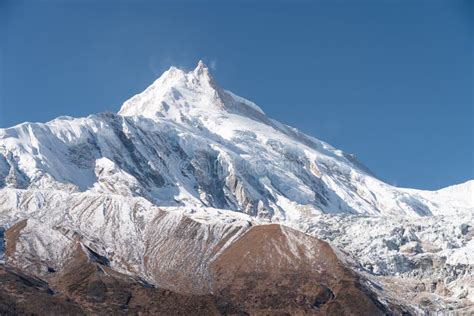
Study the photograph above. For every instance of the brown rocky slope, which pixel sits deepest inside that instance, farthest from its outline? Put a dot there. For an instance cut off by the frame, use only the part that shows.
(268, 270)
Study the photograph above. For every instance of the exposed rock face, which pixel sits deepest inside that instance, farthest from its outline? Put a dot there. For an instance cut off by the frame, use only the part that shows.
(275, 269)
(84, 288)
(21, 294)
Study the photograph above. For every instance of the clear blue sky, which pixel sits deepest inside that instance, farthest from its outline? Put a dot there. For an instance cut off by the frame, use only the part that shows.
(391, 81)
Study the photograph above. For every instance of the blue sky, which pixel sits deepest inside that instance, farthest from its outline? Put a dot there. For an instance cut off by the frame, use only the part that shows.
(391, 81)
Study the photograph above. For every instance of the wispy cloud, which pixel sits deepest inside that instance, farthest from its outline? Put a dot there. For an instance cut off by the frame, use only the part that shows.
(213, 64)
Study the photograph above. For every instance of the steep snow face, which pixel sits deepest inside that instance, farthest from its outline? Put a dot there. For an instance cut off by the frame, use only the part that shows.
(179, 96)
(185, 141)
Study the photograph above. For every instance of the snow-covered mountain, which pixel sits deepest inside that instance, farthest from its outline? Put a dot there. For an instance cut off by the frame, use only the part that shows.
(186, 149)
(185, 141)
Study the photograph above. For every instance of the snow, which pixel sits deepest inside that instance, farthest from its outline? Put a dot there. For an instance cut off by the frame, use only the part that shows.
(245, 101)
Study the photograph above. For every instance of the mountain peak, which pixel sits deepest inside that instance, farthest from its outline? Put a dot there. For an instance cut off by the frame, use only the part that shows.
(177, 93)
(201, 71)
(201, 68)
